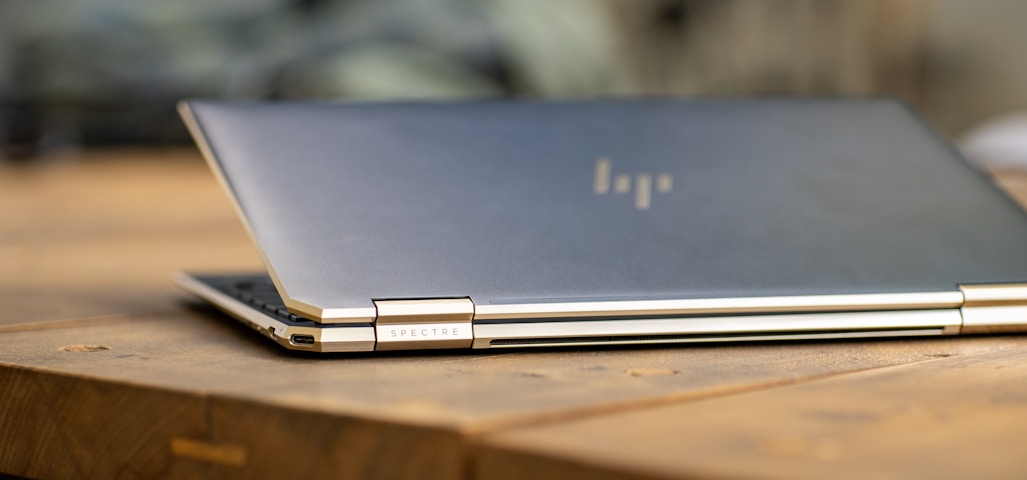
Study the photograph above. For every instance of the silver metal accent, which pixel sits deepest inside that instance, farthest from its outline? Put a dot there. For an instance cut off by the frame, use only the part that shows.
(622, 183)
(762, 327)
(643, 191)
(423, 324)
(326, 339)
(994, 308)
(720, 306)
(664, 183)
(601, 185)
(644, 183)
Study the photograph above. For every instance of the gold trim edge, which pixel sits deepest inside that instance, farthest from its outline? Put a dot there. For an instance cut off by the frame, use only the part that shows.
(327, 340)
(719, 306)
(767, 327)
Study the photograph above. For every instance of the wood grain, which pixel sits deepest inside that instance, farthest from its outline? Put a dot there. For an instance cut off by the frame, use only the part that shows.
(61, 426)
(200, 350)
(959, 417)
(401, 415)
(299, 443)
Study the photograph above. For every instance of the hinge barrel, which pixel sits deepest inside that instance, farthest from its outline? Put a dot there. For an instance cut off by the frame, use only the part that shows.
(424, 324)
(997, 308)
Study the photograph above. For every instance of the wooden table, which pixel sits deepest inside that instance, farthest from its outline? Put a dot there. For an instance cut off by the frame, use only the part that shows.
(107, 370)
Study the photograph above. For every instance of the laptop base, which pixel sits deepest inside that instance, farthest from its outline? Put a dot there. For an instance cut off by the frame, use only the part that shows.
(253, 300)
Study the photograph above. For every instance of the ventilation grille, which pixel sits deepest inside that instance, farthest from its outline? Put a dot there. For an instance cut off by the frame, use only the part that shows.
(721, 337)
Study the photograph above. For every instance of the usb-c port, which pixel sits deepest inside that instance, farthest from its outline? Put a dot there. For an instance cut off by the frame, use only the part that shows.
(302, 339)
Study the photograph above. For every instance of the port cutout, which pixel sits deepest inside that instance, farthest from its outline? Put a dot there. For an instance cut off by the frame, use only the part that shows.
(302, 339)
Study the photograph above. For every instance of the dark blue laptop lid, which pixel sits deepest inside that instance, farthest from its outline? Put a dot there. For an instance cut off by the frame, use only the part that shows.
(509, 202)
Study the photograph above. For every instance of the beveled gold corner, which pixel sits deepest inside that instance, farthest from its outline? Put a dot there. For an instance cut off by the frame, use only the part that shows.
(994, 308)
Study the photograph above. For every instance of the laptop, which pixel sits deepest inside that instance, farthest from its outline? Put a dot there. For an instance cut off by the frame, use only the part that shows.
(502, 224)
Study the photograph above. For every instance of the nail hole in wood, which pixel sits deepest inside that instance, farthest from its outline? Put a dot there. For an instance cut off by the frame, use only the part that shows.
(650, 372)
(83, 348)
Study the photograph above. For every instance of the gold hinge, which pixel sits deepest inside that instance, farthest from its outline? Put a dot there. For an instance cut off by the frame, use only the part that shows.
(995, 308)
(422, 324)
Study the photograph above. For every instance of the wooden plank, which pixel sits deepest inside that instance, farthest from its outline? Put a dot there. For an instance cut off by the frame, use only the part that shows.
(60, 426)
(958, 417)
(98, 192)
(404, 415)
(101, 233)
(201, 350)
(297, 443)
(132, 272)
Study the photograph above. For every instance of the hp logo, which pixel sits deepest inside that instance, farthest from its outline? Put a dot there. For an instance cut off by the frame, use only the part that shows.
(621, 183)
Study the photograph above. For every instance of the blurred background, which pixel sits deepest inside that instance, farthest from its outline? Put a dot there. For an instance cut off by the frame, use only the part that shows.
(108, 72)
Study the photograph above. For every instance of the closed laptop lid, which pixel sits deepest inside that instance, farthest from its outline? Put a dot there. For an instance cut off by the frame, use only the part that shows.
(533, 202)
